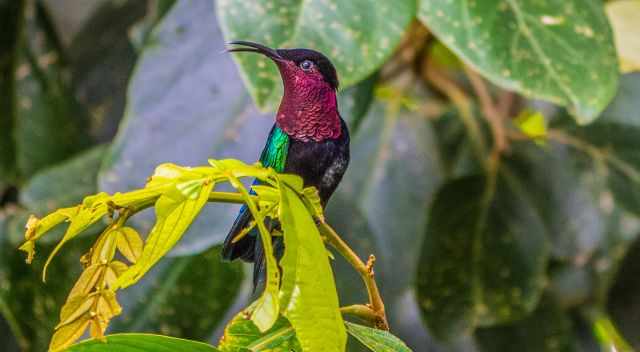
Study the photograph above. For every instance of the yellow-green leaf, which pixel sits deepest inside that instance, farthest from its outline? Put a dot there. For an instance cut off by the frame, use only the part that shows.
(174, 215)
(107, 306)
(88, 214)
(165, 173)
(113, 272)
(309, 296)
(86, 281)
(140, 196)
(105, 248)
(532, 124)
(240, 169)
(376, 340)
(74, 309)
(67, 334)
(35, 227)
(129, 243)
(267, 307)
(242, 335)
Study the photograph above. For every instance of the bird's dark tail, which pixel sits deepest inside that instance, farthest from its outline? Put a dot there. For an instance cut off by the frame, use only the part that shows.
(243, 248)
(249, 248)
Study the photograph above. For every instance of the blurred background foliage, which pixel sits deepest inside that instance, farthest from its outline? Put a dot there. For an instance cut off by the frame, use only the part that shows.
(537, 252)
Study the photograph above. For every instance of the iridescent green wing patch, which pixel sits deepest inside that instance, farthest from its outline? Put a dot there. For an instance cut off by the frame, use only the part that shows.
(275, 152)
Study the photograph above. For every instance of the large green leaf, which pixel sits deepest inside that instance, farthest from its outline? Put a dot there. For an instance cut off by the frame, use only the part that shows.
(184, 297)
(484, 257)
(558, 50)
(563, 197)
(141, 343)
(10, 17)
(357, 35)
(613, 148)
(376, 340)
(64, 184)
(242, 335)
(547, 329)
(50, 125)
(311, 303)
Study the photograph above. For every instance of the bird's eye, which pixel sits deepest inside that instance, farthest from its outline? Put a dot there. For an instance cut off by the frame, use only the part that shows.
(306, 65)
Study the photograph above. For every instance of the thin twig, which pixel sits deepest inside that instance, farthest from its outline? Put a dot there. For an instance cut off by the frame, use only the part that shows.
(506, 102)
(364, 269)
(361, 311)
(490, 111)
(460, 100)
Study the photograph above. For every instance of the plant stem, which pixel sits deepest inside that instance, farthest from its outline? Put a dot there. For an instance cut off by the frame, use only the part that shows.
(447, 86)
(229, 197)
(365, 271)
(361, 311)
(490, 110)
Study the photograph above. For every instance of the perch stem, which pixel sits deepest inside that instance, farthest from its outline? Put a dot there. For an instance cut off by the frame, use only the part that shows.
(229, 197)
(362, 311)
(366, 272)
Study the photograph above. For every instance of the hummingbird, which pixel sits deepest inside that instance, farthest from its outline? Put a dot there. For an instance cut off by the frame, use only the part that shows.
(309, 138)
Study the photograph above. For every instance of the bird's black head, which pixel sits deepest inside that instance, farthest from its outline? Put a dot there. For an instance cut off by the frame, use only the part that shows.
(295, 62)
(323, 64)
(309, 107)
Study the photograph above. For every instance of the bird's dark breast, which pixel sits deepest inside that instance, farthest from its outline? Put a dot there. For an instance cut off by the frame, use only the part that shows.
(320, 164)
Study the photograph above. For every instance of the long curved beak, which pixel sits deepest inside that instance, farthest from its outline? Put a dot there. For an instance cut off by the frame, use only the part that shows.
(255, 48)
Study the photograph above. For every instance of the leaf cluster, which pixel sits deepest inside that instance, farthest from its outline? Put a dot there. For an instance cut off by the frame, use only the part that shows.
(497, 215)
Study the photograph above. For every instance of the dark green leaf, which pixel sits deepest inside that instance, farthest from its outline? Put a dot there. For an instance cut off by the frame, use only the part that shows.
(64, 184)
(560, 50)
(186, 103)
(563, 197)
(11, 19)
(484, 257)
(51, 125)
(547, 329)
(613, 147)
(376, 340)
(102, 58)
(141, 343)
(183, 297)
(7, 339)
(140, 33)
(242, 335)
(357, 35)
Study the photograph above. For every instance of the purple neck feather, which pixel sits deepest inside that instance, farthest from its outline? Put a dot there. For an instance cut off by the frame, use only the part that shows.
(309, 109)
